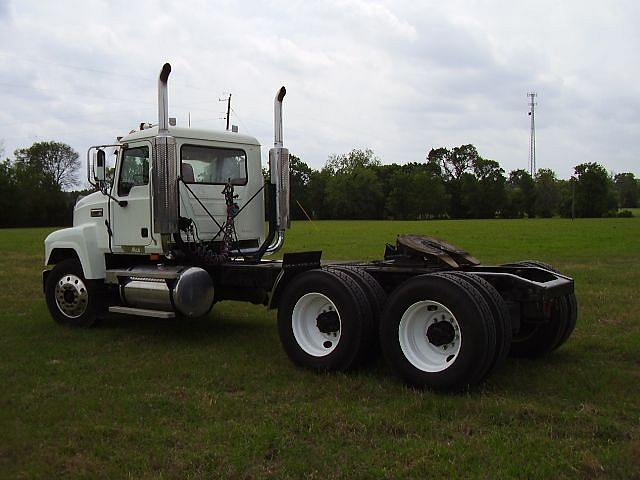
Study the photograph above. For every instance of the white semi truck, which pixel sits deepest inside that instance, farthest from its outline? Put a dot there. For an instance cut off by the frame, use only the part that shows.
(183, 225)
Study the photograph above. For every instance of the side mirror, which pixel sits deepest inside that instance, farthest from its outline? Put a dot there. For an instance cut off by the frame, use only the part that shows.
(100, 167)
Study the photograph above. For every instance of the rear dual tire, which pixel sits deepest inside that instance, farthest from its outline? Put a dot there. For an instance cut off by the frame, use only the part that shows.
(325, 321)
(437, 332)
(499, 312)
(535, 338)
(376, 298)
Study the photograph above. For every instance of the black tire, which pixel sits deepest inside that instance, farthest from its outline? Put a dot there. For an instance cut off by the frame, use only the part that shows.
(353, 313)
(500, 313)
(75, 301)
(491, 322)
(554, 334)
(372, 289)
(471, 314)
(572, 304)
(376, 297)
(537, 339)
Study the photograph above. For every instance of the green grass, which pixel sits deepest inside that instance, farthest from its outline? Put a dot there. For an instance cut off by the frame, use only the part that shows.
(145, 398)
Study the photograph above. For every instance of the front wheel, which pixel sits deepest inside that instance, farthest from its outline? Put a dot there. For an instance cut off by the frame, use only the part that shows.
(70, 297)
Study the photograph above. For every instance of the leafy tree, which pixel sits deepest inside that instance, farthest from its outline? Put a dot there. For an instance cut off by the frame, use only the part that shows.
(299, 180)
(453, 163)
(38, 200)
(454, 166)
(592, 191)
(385, 174)
(355, 194)
(463, 196)
(31, 185)
(567, 197)
(520, 193)
(628, 191)
(317, 205)
(348, 163)
(488, 196)
(414, 192)
(398, 199)
(9, 201)
(433, 200)
(547, 192)
(54, 159)
(353, 189)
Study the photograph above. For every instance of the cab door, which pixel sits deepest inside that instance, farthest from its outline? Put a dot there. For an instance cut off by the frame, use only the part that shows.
(131, 219)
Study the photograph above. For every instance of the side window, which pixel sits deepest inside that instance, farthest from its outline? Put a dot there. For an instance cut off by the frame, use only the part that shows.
(134, 170)
(213, 165)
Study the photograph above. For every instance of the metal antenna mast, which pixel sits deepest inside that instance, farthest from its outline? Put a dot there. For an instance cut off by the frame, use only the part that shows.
(532, 140)
(228, 115)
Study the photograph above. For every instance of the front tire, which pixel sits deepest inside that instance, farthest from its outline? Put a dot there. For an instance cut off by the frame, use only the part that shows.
(71, 298)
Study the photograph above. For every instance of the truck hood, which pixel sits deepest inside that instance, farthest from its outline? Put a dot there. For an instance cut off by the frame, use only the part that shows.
(91, 199)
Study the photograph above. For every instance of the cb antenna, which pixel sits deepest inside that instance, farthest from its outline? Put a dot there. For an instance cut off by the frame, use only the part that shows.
(532, 140)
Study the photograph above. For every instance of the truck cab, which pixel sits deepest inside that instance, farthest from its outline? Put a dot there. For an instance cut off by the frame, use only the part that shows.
(121, 221)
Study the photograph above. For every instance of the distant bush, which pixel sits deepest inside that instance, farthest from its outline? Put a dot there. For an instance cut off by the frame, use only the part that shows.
(625, 214)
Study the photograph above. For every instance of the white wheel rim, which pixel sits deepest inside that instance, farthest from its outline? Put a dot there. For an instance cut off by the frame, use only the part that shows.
(423, 328)
(304, 321)
(71, 296)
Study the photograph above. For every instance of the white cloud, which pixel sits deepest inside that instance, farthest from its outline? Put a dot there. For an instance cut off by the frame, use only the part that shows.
(399, 77)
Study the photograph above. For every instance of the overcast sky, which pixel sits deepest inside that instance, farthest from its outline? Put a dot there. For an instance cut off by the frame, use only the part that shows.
(399, 77)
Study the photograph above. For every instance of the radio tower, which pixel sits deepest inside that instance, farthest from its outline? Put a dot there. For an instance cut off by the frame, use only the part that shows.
(532, 141)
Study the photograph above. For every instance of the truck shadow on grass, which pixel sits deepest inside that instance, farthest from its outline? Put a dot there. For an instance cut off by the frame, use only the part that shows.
(253, 329)
(548, 376)
(542, 379)
(209, 329)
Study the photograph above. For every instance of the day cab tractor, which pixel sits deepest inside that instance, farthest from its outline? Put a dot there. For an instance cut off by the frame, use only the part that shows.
(183, 225)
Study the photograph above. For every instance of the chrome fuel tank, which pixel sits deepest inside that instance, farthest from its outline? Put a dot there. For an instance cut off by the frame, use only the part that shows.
(185, 290)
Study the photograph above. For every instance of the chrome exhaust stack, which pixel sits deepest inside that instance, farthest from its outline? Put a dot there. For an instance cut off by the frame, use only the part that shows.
(279, 172)
(163, 100)
(164, 168)
(277, 117)
(278, 190)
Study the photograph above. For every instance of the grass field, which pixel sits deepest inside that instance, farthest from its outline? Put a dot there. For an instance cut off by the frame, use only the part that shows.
(144, 398)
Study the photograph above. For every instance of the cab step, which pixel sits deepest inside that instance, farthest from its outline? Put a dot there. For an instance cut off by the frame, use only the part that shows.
(141, 312)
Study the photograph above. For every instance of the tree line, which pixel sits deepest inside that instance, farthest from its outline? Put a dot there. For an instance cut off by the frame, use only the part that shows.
(36, 188)
(452, 183)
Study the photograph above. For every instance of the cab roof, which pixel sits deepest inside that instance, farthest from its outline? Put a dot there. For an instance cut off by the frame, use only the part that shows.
(194, 134)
